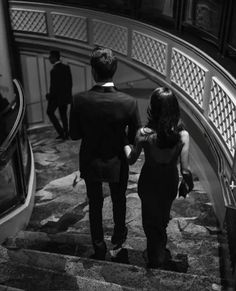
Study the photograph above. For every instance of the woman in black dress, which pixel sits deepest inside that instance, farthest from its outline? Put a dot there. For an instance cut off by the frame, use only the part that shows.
(164, 141)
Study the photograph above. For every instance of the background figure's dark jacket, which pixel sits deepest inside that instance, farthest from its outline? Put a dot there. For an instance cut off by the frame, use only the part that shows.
(61, 84)
(100, 118)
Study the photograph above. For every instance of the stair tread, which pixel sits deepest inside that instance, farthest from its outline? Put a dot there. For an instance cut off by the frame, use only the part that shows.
(39, 279)
(199, 262)
(121, 274)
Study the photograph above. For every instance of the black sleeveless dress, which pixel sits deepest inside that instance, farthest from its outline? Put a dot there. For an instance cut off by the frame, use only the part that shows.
(157, 188)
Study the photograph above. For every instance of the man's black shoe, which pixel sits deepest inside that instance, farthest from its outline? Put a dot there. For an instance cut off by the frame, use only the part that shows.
(167, 264)
(120, 256)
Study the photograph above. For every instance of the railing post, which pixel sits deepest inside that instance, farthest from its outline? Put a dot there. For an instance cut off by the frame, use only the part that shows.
(90, 32)
(207, 94)
(49, 23)
(129, 42)
(168, 62)
(233, 177)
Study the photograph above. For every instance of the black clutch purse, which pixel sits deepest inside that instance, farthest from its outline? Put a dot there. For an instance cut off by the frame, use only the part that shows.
(186, 184)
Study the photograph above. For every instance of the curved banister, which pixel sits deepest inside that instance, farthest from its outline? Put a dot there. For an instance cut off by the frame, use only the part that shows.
(17, 163)
(205, 88)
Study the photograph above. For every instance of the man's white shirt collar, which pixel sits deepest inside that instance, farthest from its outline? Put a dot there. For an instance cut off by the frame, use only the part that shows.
(107, 84)
(56, 63)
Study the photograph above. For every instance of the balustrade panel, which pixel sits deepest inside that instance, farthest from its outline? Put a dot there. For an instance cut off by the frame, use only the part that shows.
(33, 21)
(189, 75)
(69, 26)
(149, 51)
(222, 112)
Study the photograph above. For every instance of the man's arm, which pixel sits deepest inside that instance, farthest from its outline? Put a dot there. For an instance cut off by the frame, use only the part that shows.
(134, 124)
(75, 129)
(133, 152)
(69, 79)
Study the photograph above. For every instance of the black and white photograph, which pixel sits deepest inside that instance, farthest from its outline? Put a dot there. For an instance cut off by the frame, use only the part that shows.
(117, 145)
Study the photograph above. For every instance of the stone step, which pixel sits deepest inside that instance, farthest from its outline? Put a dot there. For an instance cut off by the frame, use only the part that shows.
(198, 257)
(29, 278)
(128, 276)
(9, 288)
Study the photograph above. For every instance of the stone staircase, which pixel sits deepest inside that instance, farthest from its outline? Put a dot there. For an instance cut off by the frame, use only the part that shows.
(53, 252)
(41, 261)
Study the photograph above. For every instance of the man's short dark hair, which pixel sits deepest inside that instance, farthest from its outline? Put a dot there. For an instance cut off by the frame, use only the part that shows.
(55, 54)
(103, 62)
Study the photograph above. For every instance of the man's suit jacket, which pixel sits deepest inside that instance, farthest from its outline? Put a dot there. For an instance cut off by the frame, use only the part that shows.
(101, 117)
(60, 84)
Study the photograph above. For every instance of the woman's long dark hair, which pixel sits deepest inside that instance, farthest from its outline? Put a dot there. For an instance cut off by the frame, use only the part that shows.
(163, 117)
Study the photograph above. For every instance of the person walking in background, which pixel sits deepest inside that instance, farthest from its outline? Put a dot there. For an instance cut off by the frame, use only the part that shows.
(100, 117)
(163, 141)
(60, 94)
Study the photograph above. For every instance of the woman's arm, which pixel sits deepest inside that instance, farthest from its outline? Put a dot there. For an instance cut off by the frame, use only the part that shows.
(184, 161)
(184, 156)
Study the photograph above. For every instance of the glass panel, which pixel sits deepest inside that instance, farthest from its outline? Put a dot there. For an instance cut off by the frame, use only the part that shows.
(24, 151)
(8, 114)
(155, 9)
(232, 37)
(204, 14)
(152, 11)
(160, 12)
(8, 191)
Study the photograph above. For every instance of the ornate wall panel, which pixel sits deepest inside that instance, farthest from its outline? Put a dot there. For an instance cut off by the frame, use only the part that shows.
(110, 35)
(26, 20)
(149, 51)
(222, 112)
(69, 26)
(188, 75)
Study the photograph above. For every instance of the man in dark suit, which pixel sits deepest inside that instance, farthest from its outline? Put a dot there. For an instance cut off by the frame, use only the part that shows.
(101, 117)
(60, 94)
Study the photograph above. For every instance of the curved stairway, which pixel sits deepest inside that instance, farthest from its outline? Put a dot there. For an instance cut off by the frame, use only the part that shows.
(52, 253)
